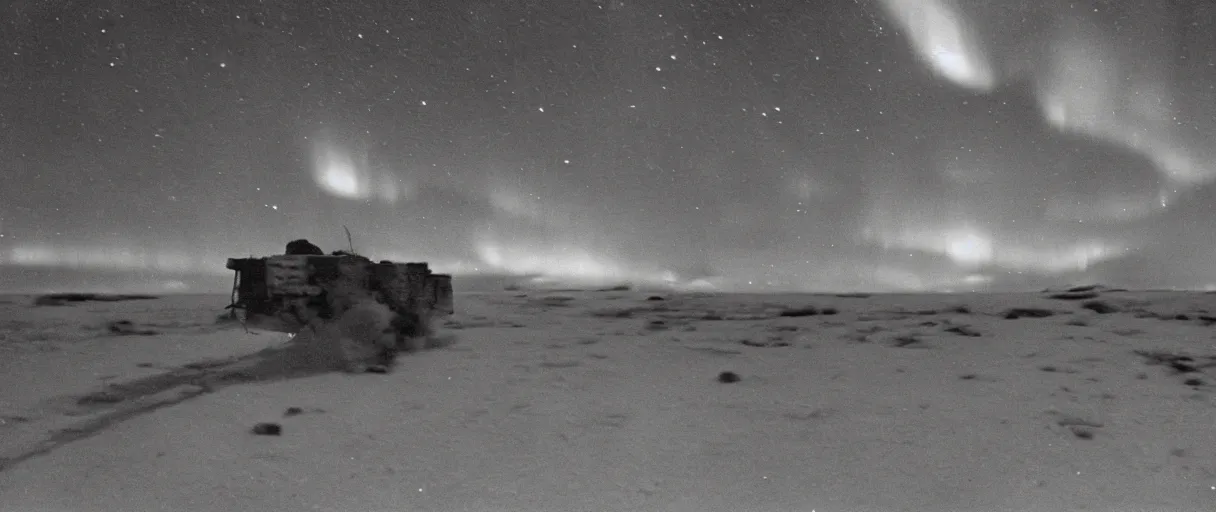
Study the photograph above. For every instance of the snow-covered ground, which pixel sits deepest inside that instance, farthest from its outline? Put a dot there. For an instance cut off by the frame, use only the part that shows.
(604, 401)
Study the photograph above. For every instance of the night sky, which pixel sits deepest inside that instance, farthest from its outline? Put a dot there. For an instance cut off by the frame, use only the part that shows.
(873, 144)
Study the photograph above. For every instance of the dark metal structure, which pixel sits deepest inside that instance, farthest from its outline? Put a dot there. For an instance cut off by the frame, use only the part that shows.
(287, 292)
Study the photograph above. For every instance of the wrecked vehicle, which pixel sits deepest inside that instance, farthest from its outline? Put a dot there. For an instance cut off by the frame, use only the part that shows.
(369, 310)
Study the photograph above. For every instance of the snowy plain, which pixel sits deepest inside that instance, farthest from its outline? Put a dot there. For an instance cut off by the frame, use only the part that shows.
(612, 401)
